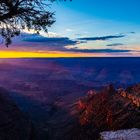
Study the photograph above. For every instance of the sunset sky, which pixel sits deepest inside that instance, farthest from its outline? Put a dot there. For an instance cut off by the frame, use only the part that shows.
(84, 28)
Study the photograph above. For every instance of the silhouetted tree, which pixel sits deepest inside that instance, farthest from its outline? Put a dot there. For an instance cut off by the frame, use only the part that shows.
(16, 15)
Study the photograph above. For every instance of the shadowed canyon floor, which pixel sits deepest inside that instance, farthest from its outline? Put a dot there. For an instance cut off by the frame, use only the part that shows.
(13, 124)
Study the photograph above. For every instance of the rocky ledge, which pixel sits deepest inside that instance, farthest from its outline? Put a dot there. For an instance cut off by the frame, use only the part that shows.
(130, 134)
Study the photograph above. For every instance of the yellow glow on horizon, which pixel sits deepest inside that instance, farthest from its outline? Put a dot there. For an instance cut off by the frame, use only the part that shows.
(25, 54)
(59, 54)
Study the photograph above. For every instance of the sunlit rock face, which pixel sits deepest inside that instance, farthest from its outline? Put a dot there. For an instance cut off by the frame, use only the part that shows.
(130, 134)
(13, 124)
(133, 94)
(110, 108)
(106, 110)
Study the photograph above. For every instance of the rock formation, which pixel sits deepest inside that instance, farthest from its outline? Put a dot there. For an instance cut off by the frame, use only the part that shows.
(107, 110)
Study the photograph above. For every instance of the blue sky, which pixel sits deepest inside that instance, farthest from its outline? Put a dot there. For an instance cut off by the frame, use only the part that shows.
(110, 27)
(98, 17)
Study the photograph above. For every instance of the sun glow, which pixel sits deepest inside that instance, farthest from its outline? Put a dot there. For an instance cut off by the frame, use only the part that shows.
(49, 54)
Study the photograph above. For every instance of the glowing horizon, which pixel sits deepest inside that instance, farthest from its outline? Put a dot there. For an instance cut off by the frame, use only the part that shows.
(26, 54)
(57, 54)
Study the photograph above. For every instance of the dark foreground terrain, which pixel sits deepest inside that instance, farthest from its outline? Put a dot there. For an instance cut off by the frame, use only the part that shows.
(13, 124)
(70, 98)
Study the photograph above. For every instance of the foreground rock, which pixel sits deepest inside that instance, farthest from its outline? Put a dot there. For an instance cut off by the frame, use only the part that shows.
(130, 134)
(13, 124)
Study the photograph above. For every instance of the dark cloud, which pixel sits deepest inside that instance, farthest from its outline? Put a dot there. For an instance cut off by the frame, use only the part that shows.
(60, 43)
(115, 44)
(53, 40)
(132, 32)
(100, 50)
(50, 43)
(102, 38)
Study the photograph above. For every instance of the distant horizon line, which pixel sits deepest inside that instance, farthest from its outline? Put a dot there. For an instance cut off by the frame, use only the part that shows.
(58, 54)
